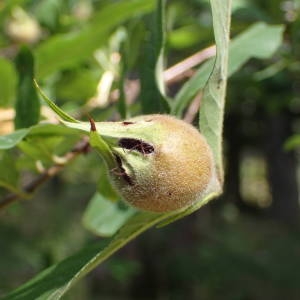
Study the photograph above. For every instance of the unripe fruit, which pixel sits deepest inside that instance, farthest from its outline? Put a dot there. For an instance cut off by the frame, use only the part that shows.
(157, 162)
(161, 163)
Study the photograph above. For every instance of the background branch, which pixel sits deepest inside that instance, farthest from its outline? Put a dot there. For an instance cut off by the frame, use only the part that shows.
(82, 147)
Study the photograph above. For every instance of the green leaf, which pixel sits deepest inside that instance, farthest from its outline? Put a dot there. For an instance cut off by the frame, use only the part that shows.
(152, 96)
(27, 102)
(271, 70)
(104, 217)
(46, 130)
(64, 116)
(259, 41)
(66, 50)
(102, 148)
(11, 140)
(8, 79)
(212, 109)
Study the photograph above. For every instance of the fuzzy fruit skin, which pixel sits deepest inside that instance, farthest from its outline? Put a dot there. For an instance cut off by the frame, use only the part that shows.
(175, 175)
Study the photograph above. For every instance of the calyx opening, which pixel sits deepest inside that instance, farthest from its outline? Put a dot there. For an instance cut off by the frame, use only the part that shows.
(120, 171)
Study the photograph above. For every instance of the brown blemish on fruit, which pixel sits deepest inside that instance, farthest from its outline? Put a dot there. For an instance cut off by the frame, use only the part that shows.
(127, 123)
(135, 144)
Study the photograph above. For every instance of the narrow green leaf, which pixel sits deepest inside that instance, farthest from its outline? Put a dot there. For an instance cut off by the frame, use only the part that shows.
(104, 217)
(259, 41)
(66, 50)
(102, 148)
(152, 96)
(46, 130)
(271, 70)
(63, 115)
(11, 140)
(212, 109)
(8, 79)
(27, 104)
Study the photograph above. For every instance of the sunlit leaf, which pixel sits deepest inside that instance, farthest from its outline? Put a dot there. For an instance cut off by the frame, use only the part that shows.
(11, 140)
(104, 217)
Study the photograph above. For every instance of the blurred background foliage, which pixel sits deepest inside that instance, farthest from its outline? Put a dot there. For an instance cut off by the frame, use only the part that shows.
(89, 56)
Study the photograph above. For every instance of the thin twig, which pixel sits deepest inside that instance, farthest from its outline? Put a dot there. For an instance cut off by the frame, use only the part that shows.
(80, 148)
(172, 74)
(193, 109)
